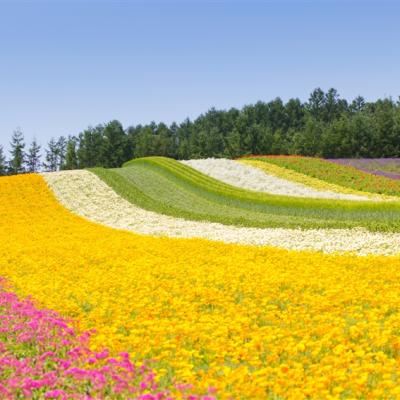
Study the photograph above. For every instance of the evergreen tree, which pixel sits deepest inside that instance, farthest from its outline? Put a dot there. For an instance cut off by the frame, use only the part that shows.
(71, 157)
(316, 104)
(174, 140)
(184, 140)
(357, 105)
(17, 160)
(52, 160)
(232, 147)
(3, 165)
(90, 147)
(61, 151)
(33, 157)
(279, 145)
(325, 125)
(294, 111)
(331, 105)
(144, 144)
(384, 118)
(163, 141)
(132, 137)
(267, 141)
(115, 145)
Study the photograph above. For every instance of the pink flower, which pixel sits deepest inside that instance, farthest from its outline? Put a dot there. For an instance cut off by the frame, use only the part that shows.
(54, 394)
(58, 357)
(103, 354)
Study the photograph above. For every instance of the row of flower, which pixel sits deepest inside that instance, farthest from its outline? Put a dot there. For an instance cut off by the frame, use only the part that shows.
(388, 167)
(335, 173)
(310, 181)
(249, 177)
(87, 195)
(250, 322)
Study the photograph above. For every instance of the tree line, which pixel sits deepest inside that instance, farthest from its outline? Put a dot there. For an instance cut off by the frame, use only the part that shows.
(325, 125)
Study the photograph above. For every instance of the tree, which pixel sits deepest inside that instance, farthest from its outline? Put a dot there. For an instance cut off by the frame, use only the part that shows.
(90, 147)
(357, 105)
(163, 141)
(61, 151)
(51, 163)
(71, 157)
(332, 109)
(333, 139)
(33, 157)
(325, 125)
(17, 160)
(267, 142)
(276, 116)
(308, 142)
(384, 118)
(184, 140)
(115, 145)
(232, 146)
(144, 143)
(294, 110)
(316, 103)
(3, 166)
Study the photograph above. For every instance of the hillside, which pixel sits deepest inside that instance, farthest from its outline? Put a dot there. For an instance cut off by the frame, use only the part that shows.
(168, 187)
(204, 312)
(335, 173)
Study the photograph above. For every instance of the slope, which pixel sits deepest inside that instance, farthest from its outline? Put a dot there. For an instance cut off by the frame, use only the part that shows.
(246, 176)
(343, 175)
(168, 187)
(87, 195)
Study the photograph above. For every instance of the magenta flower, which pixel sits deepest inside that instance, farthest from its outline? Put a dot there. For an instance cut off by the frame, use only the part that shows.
(41, 356)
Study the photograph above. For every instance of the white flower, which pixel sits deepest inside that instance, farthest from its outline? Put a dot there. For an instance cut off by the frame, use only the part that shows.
(248, 177)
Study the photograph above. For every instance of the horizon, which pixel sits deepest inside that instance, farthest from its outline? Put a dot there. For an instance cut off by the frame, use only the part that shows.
(167, 61)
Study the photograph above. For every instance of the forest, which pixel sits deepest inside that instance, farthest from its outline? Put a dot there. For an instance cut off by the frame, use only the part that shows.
(324, 126)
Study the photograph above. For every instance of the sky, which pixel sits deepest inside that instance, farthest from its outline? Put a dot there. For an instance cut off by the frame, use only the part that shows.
(65, 65)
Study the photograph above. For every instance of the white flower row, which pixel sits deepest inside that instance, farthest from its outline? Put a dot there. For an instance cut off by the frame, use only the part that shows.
(85, 194)
(248, 177)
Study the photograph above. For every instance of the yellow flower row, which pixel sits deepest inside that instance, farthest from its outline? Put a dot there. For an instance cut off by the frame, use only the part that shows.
(253, 322)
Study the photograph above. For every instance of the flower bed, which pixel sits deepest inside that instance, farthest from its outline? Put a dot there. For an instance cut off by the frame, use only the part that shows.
(85, 194)
(248, 177)
(253, 323)
(388, 167)
(41, 356)
(344, 175)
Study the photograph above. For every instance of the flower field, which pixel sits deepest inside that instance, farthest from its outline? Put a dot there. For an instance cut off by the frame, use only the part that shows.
(168, 187)
(91, 311)
(311, 182)
(339, 174)
(42, 356)
(85, 194)
(248, 177)
(388, 167)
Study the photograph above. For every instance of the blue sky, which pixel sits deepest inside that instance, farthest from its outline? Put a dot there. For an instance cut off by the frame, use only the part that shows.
(65, 65)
